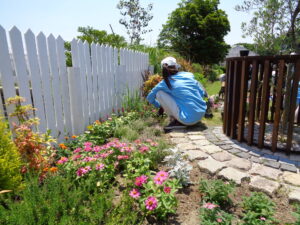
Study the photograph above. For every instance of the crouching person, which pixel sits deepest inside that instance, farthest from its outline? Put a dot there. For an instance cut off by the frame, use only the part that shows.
(179, 94)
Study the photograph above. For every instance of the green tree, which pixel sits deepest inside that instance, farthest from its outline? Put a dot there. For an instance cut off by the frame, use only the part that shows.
(90, 35)
(196, 30)
(274, 25)
(135, 19)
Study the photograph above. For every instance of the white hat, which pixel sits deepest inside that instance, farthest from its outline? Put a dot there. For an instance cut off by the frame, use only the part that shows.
(169, 61)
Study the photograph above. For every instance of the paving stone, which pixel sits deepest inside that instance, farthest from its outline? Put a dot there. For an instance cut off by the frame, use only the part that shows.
(271, 163)
(239, 163)
(269, 156)
(233, 174)
(263, 185)
(186, 146)
(226, 147)
(219, 143)
(179, 140)
(222, 156)
(244, 155)
(177, 134)
(211, 149)
(234, 151)
(255, 153)
(286, 160)
(202, 142)
(291, 178)
(264, 171)
(210, 165)
(288, 167)
(295, 157)
(196, 137)
(256, 159)
(294, 196)
(196, 154)
(195, 133)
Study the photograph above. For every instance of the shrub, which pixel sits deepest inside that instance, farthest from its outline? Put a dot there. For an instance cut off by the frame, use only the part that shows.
(210, 214)
(258, 208)
(216, 191)
(200, 77)
(185, 65)
(10, 163)
(57, 201)
(151, 83)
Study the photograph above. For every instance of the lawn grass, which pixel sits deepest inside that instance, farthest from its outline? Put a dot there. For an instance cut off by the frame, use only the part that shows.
(213, 88)
(215, 121)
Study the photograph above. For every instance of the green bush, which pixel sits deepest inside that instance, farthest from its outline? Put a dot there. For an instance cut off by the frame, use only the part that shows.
(10, 162)
(57, 201)
(216, 191)
(258, 208)
(200, 77)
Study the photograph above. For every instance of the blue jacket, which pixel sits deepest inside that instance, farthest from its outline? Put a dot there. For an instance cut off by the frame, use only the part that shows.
(186, 92)
(298, 97)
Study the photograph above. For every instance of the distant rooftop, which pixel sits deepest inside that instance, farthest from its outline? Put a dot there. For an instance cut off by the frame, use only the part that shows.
(235, 51)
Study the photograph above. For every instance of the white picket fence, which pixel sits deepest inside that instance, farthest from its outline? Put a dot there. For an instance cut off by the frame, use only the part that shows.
(67, 99)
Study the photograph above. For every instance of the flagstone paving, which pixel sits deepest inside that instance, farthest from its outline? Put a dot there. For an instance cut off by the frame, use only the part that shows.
(218, 155)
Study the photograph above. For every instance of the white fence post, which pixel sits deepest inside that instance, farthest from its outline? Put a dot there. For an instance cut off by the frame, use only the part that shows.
(76, 100)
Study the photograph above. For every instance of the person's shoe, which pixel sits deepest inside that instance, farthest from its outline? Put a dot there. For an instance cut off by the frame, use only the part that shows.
(175, 125)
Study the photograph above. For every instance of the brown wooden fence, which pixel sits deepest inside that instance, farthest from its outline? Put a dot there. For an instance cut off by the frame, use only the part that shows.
(260, 101)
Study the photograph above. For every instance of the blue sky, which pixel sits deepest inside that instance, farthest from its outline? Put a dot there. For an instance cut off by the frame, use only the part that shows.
(62, 17)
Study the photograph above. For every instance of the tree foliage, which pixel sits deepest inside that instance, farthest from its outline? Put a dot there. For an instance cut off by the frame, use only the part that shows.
(90, 35)
(135, 19)
(274, 25)
(196, 30)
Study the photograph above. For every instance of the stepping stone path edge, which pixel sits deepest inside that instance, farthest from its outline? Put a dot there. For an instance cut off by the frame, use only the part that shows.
(221, 157)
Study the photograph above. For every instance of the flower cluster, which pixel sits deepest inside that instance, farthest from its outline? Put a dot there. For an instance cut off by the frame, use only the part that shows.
(154, 193)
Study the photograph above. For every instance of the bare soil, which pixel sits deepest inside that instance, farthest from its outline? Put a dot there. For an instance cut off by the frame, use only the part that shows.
(189, 203)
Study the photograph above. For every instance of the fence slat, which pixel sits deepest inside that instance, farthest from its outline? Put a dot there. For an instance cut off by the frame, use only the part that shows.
(76, 99)
(264, 104)
(293, 107)
(6, 72)
(236, 97)
(278, 105)
(36, 83)
(228, 63)
(56, 89)
(20, 64)
(252, 102)
(89, 78)
(100, 81)
(229, 101)
(64, 84)
(46, 81)
(243, 94)
(95, 80)
(261, 74)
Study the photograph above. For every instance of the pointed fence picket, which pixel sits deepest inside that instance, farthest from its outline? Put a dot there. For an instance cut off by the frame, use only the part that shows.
(67, 99)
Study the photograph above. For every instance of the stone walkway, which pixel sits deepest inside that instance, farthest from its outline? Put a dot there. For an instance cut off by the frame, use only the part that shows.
(218, 155)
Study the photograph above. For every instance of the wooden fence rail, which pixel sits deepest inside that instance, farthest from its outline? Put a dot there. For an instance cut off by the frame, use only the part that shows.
(67, 99)
(260, 96)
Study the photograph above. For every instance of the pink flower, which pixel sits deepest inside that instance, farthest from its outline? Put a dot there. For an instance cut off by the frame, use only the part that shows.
(137, 141)
(77, 150)
(139, 181)
(126, 149)
(104, 155)
(120, 157)
(87, 144)
(148, 140)
(97, 149)
(144, 149)
(262, 218)
(62, 160)
(151, 203)
(167, 189)
(164, 175)
(75, 157)
(100, 166)
(134, 193)
(209, 205)
(158, 180)
(154, 144)
(88, 159)
(219, 220)
(87, 148)
(83, 170)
